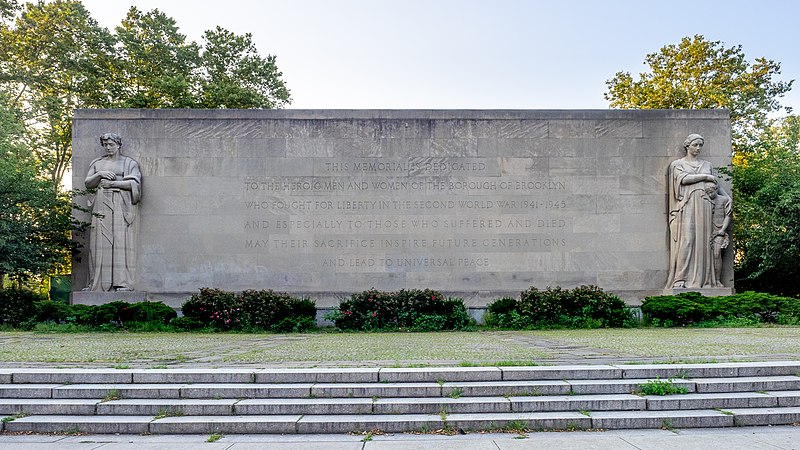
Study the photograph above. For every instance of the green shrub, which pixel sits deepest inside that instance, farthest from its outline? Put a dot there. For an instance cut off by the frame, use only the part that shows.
(217, 308)
(581, 307)
(150, 312)
(17, 306)
(744, 309)
(186, 323)
(279, 312)
(415, 309)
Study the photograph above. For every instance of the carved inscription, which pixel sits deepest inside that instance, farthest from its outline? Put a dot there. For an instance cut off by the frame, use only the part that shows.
(408, 215)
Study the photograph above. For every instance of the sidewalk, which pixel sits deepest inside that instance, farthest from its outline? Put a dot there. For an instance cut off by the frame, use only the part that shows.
(750, 438)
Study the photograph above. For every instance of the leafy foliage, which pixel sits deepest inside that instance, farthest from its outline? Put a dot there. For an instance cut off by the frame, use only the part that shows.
(261, 310)
(35, 221)
(17, 306)
(692, 308)
(766, 186)
(662, 387)
(696, 74)
(414, 310)
(54, 58)
(581, 307)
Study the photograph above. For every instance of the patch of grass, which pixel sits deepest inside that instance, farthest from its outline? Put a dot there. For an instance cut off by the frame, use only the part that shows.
(14, 417)
(112, 394)
(159, 366)
(455, 392)
(121, 366)
(667, 425)
(367, 437)
(214, 437)
(661, 387)
(722, 411)
(443, 414)
(516, 426)
(440, 381)
(168, 412)
(585, 412)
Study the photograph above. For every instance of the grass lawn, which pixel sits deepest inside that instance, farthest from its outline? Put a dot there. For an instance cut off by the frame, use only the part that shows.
(399, 349)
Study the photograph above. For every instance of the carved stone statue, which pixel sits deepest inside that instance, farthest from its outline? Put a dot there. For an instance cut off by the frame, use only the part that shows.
(697, 217)
(112, 248)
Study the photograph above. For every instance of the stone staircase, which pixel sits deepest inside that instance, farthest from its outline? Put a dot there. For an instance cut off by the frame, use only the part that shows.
(231, 401)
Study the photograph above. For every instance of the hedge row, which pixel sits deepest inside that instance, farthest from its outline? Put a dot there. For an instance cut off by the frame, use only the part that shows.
(692, 308)
(581, 307)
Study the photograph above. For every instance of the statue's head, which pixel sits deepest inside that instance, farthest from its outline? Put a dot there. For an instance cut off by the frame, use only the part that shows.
(111, 137)
(692, 138)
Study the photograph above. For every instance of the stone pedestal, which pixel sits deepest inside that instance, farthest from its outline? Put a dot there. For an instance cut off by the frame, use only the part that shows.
(101, 298)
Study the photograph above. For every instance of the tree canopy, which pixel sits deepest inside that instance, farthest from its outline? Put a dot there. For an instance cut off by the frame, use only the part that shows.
(766, 185)
(35, 221)
(54, 58)
(696, 74)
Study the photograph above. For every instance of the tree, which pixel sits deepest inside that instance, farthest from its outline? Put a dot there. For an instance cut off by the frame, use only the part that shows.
(54, 58)
(698, 74)
(766, 184)
(236, 76)
(35, 222)
(157, 66)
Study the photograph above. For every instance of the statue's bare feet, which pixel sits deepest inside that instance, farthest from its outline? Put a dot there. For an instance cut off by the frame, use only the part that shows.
(123, 289)
(679, 285)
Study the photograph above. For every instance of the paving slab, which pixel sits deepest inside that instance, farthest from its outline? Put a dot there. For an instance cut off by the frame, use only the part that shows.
(360, 423)
(711, 442)
(747, 384)
(278, 406)
(227, 375)
(440, 374)
(244, 390)
(660, 419)
(153, 407)
(712, 401)
(320, 375)
(27, 390)
(566, 372)
(765, 416)
(122, 390)
(5, 376)
(225, 424)
(606, 402)
(87, 424)
(79, 407)
(72, 376)
(370, 390)
(433, 405)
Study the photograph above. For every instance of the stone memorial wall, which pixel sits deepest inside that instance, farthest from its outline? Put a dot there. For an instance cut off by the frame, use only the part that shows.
(324, 203)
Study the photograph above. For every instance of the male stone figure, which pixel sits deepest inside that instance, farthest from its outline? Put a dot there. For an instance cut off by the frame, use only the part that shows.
(721, 219)
(117, 180)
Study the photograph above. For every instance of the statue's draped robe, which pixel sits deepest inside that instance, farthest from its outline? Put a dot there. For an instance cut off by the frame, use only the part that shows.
(691, 256)
(112, 248)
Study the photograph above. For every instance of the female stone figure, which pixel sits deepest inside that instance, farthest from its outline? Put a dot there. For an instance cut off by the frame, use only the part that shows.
(118, 181)
(691, 228)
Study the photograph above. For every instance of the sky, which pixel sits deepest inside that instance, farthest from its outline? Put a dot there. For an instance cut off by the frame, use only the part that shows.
(475, 54)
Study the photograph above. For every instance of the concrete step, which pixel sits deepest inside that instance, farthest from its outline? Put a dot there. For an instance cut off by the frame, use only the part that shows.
(311, 424)
(386, 389)
(397, 375)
